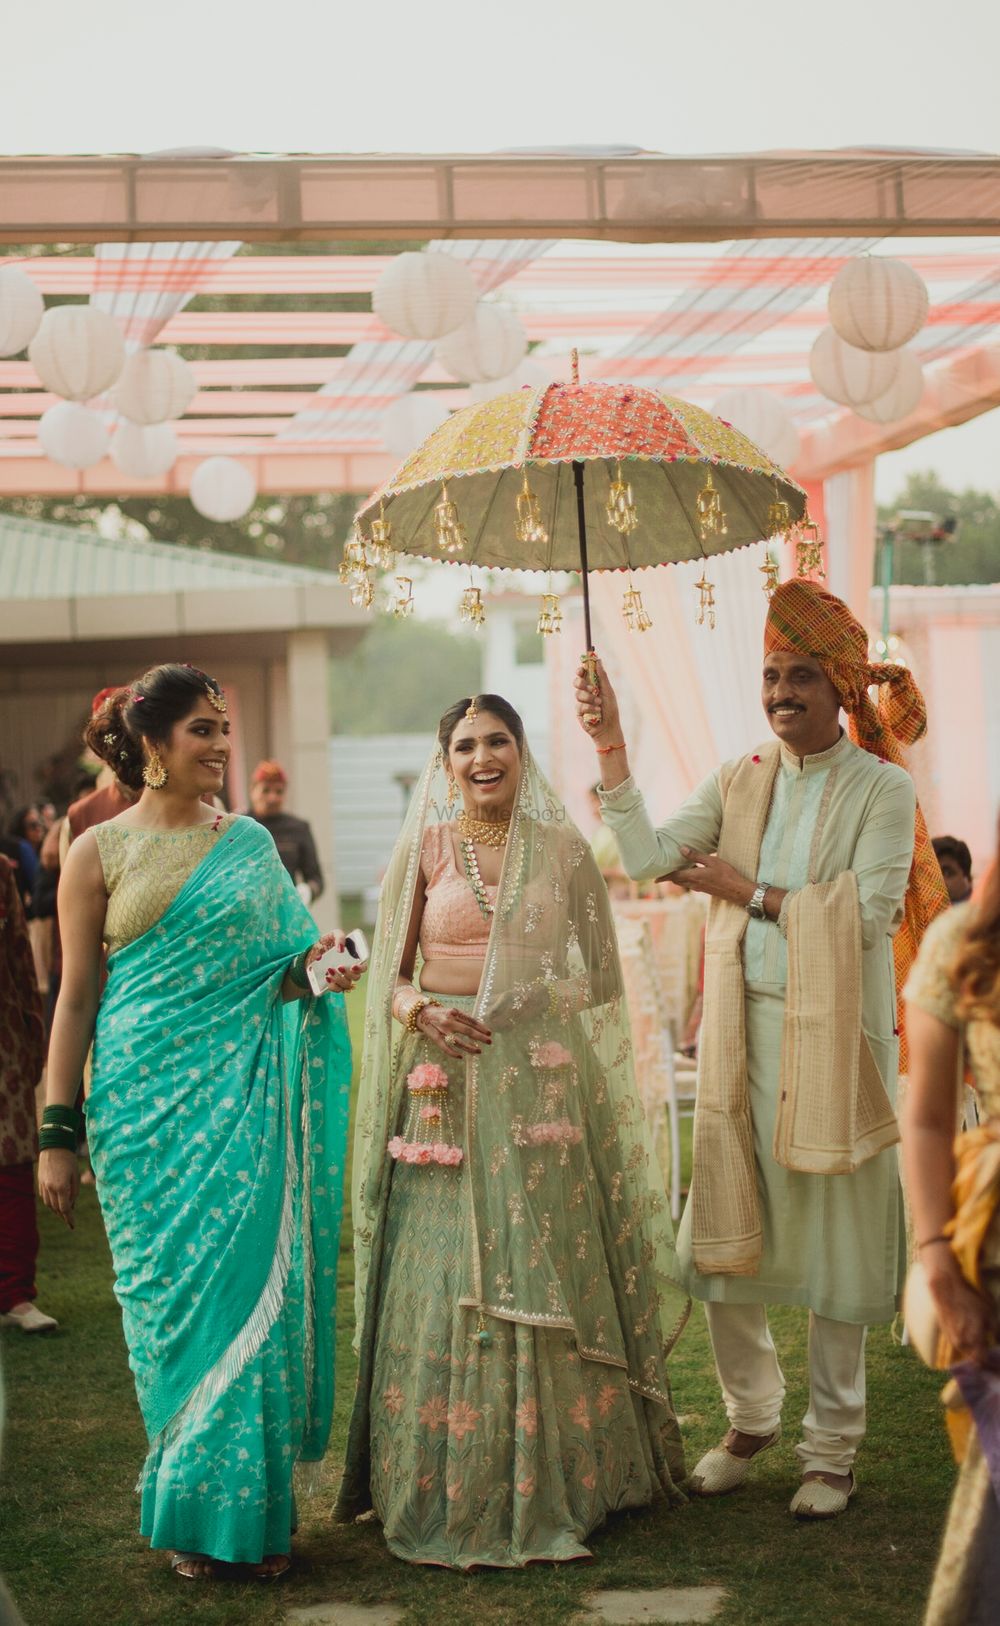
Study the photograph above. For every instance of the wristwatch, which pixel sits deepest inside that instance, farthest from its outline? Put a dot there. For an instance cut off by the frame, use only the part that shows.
(755, 908)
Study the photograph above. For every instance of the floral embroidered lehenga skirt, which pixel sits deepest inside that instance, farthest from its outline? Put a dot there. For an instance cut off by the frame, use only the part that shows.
(484, 1443)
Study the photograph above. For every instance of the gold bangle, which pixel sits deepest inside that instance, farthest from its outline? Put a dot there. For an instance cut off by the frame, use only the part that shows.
(413, 1014)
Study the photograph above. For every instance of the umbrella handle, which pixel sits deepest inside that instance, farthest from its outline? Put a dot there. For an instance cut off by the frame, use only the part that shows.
(589, 663)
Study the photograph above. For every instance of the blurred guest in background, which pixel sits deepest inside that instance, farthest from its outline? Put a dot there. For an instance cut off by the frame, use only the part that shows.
(292, 837)
(956, 866)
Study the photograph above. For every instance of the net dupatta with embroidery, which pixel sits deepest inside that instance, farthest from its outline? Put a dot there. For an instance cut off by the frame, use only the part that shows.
(567, 1223)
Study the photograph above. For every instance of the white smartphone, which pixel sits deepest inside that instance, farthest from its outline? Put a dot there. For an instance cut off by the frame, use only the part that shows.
(354, 952)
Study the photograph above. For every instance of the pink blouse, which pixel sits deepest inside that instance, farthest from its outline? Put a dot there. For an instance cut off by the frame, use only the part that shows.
(452, 924)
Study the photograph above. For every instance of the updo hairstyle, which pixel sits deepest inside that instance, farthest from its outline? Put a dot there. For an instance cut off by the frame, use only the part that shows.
(494, 703)
(145, 710)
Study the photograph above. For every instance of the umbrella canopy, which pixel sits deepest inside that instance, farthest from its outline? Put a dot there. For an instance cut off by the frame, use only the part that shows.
(578, 477)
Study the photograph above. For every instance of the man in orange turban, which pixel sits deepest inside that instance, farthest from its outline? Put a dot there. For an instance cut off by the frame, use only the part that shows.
(814, 855)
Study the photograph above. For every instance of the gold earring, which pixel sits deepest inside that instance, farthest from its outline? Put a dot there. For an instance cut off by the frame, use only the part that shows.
(154, 774)
(452, 796)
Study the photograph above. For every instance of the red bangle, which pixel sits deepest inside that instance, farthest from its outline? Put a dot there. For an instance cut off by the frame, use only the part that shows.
(605, 750)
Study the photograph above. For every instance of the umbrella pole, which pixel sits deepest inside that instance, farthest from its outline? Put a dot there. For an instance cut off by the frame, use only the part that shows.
(581, 521)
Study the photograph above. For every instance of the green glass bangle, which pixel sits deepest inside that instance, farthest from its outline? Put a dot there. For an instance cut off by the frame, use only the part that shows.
(55, 1138)
(59, 1117)
(297, 970)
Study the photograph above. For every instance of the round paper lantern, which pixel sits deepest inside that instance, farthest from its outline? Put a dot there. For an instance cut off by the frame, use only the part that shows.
(155, 386)
(877, 304)
(489, 346)
(222, 489)
(72, 435)
(901, 398)
(424, 296)
(411, 419)
(762, 418)
(21, 310)
(850, 376)
(78, 351)
(530, 374)
(144, 453)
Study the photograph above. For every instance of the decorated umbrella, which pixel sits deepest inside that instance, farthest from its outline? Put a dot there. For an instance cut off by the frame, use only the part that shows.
(578, 477)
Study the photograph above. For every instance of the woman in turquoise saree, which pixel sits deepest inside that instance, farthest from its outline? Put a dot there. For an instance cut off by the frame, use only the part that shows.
(216, 1121)
(513, 1245)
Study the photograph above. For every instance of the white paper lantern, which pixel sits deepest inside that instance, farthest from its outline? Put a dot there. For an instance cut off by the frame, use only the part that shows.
(489, 346)
(850, 376)
(73, 435)
(877, 304)
(155, 386)
(763, 419)
(424, 296)
(222, 489)
(143, 452)
(411, 419)
(78, 351)
(530, 374)
(901, 398)
(21, 310)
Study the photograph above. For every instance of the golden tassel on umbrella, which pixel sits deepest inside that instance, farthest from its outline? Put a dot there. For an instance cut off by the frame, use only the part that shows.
(635, 615)
(472, 608)
(771, 572)
(706, 601)
(711, 515)
(448, 528)
(381, 550)
(402, 604)
(779, 517)
(354, 562)
(621, 512)
(363, 591)
(808, 549)
(529, 527)
(550, 615)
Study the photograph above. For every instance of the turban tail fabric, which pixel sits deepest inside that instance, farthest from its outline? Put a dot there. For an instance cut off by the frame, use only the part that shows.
(804, 619)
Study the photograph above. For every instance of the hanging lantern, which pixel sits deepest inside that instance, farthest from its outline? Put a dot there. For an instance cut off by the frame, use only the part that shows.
(354, 561)
(529, 527)
(779, 517)
(901, 398)
(380, 549)
(808, 549)
(78, 351)
(706, 601)
(529, 375)
(424, 296)
(711, 515)
(471, 608)
(770, 572)
(489, 345)
(448, 529)
(760, 416)
(72, 435)
(222, 489)
(144, 453)
(402, 604)
(849, 376)
(363, 591)
(155, 386)
(877, 304)
(550, 616)
(635, 615)
(621, 513)
(21, 310)
(406, 424)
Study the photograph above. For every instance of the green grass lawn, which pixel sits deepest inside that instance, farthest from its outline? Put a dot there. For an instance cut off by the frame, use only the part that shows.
(72, 1554)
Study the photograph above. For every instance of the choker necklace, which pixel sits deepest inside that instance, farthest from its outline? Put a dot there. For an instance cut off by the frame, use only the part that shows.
(487, 832)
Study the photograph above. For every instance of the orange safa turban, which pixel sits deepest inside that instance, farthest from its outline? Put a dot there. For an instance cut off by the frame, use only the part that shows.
(804, 619)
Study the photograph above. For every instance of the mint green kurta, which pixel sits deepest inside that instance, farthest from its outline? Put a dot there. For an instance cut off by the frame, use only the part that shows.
(832, 1242)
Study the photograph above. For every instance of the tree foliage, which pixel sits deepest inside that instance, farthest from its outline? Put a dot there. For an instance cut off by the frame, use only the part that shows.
(974, 555)
(402, 676)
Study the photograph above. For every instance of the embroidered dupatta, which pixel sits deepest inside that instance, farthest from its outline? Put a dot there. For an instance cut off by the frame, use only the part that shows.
(217, 1123)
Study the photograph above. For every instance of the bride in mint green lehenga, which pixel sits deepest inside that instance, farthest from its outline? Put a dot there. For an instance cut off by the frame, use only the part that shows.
(513, 1243)
(216, 1122)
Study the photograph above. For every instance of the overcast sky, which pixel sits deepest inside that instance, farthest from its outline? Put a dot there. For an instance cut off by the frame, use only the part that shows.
(450, 75)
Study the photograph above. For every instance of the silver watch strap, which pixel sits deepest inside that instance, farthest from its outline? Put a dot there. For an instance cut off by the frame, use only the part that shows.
(755, 908)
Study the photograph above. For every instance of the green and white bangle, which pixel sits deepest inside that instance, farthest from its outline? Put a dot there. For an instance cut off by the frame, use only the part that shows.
(297, 970)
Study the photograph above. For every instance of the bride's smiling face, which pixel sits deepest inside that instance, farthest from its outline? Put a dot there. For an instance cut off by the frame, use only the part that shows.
(485, 761)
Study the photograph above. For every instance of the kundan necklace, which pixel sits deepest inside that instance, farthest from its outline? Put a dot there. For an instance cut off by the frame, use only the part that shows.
(475, 879)
(488, 832)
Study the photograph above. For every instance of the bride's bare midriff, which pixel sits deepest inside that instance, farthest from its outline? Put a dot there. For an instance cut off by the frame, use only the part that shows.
(451, 976)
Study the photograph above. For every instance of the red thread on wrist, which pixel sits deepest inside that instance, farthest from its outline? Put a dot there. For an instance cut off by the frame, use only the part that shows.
(605, 750)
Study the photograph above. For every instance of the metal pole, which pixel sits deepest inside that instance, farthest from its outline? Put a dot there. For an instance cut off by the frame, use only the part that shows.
(581, 521)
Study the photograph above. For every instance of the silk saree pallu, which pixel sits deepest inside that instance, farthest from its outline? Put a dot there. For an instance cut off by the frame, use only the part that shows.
(217, 1125)
(516, 1301)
